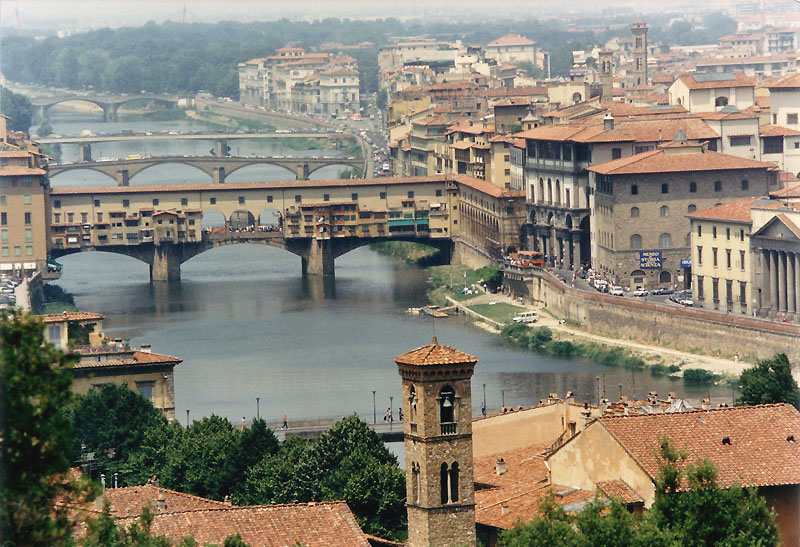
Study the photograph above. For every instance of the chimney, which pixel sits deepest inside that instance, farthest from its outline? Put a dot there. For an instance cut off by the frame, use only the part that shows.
(227, 500)
(161, 504)
(146, 348)
(500, 466)
(505, 509)
(608, 122)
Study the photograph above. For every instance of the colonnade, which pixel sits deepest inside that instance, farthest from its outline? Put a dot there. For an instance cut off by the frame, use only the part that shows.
(780, 282)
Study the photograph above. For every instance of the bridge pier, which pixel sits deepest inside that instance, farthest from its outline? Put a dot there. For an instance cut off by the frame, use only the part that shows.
(303, 174)
(41, 112)
(221, 148)
(85, 151)
(166, 264)
(319, 258)
(123, 177)
(218, 175)
(110, 112)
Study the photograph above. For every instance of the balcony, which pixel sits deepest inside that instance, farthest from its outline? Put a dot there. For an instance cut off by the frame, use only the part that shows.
(448, 428)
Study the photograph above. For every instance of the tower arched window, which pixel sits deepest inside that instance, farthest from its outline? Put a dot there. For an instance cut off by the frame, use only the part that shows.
(665, 241)
(444, 477)
(636, 242)
(664, 211)
(634, 212)
(447, 410)
(412, 404)
(448, 477)
(454, 482)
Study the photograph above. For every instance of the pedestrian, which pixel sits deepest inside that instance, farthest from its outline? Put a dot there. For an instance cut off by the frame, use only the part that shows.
(483, 409)
(736, 357)
(400, 414)
(285, 423)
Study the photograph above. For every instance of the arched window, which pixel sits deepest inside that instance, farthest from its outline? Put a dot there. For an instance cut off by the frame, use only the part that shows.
(665, 277)
(634, 212)
(444, 477)
(549, 191)
(721, 101)
(454, 482)
(665, 241)
(412, 403)
(636, 242)
(664, 211)
(718, 186)
(541, 190)
(634, 189)
(447, 409)
(558, 192)
(692, 208)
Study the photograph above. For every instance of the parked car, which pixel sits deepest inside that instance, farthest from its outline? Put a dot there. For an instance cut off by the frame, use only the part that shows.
(640, 292)
(686, 302)
(616, 290)
(662, 290)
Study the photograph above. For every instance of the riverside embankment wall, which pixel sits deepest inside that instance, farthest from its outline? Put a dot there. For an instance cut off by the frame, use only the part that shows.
(682, 328)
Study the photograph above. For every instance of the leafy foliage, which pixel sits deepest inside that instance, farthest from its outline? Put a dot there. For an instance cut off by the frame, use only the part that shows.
(35, 388)
(348, 462)
(769, 381)
(18, 108)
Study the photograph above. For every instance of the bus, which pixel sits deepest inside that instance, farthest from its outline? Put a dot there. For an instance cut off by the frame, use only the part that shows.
(528, 259)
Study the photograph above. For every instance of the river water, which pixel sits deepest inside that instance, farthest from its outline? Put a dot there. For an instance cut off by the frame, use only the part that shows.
(247, 324)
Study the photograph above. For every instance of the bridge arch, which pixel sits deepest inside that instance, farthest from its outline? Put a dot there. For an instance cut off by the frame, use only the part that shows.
(312, 170)
(242, 219)
(270, 218)
(173, 161)
(85, 167)
(46, 107)
(213, 219)
(256, 163)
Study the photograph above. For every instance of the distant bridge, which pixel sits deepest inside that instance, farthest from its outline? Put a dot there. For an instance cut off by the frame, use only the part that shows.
(109, 103)
(94, 139)
(217, 167)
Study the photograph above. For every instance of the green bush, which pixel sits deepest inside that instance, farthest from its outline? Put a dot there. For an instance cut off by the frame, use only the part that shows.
(698, 376)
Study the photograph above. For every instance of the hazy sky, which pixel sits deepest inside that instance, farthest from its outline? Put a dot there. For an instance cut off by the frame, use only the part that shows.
(75, 14)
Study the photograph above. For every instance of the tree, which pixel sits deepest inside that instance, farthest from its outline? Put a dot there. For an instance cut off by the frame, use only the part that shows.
(530, 69)
(18, 108)
(769, 381)
(113, 417)
(553, 527)
(45, 129)
(36, 433)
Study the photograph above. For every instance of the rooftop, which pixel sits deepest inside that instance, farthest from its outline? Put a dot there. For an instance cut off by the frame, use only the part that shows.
(658, 161)
(435, 354)
(71, 316)
(736, 211)
(716, 80)
(512, 39)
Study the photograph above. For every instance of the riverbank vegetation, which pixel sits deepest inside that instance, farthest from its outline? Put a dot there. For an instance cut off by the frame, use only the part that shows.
(405, 251)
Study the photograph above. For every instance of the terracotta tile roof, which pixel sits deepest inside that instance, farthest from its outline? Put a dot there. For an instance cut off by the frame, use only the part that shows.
(19, 170)
(128, 501)
(501, 500)
(789, 82)
(736, 211)
(138, 358)
(211, 187)
(452, 85)
(461, 145)
(739, 80)
(434, 354)
(751, 60)
(657, 161)
(795, 229)
(488, 188)
(620, 490)
(625, 130)
(769, 130)
(319, 524)
(791, 191)
(14, 154)
(526, 91)
(763, 447)
(512, 39)
(71, 316)
(513, 101)
(430, 120)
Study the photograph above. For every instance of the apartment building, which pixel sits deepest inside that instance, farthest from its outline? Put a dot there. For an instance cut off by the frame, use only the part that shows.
(708, 92)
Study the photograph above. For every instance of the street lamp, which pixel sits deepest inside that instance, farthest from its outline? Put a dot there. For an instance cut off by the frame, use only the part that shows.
(503, 395)
(187, 417)
(620, 392)
(258, 410)
(374, 410)
(597, 383)
(484, 399)
(391, 412)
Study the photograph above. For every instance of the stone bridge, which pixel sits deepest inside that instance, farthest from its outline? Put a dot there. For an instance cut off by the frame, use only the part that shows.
(109, 103)
(216, 167)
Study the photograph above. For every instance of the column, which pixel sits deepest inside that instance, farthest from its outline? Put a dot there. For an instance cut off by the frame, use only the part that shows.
(796, 282)
(781, 262)
(576, 250)
(764, 282)
(791, 283)
(773, 281)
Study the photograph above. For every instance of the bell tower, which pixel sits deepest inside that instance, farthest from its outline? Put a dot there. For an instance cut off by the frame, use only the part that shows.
(639, 30)
(437, 404)
(605, 64)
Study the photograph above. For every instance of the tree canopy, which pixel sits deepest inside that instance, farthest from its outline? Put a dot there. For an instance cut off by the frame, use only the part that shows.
(18, 108)
(36, 433)
(769, 381)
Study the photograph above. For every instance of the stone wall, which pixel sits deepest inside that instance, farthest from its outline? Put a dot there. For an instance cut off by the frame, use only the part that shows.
(665, 324)
(469, 254)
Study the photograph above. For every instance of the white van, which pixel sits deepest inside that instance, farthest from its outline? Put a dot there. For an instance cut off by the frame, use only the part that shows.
(526, 317)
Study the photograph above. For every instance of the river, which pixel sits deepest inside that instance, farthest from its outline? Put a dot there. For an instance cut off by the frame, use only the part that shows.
(247, 325)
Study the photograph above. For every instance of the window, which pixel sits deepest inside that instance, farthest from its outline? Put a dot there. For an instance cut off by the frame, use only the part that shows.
(99, 216)
(715, 289)
(745, 184)
(4, 219)
(410, 194)
(728, 234)
(728, 258)
(97, 203)
(664, 211)
(741, 235)
(326, 197)
(439, 193)
(84, 218)
(126, 203)
(70, 217)
(56, 202)
(184, 201)
(772, 145)
(17, 250)
(700, 287)
(212, 201)
(155, 202)
(449, 483)
(636, 242)
(269, 199)
(298, 198)
(665, 241)
(714, 256)
(665, 277)
(56, 217)
(692, 187)
(145, 390)
(634, 212)
(743, 293)
(692, 208)
(718, 186)
(699, 230)
(699, 255)
(634, 189)
(740, 140)
(714, 232)
(665, 188)
(26, 199)
(447, 407)
(791, 119)
(616, 153)
(741, 260)
(721, 101)
(28, 235)
(28, 250)
(382, 195)
(241, 200)
(5, 251)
